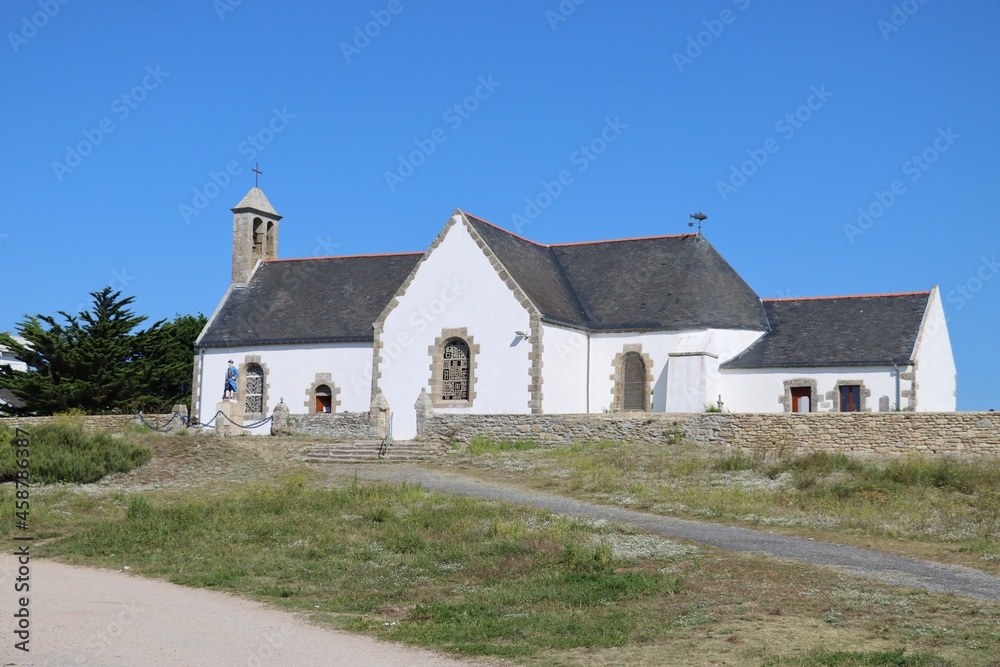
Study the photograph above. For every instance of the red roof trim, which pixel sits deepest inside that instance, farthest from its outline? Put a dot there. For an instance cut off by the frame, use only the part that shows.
(848, 296)
(309, 259)
(563, 245)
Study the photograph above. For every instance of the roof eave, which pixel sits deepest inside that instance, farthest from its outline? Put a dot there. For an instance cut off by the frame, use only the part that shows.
(223, 344)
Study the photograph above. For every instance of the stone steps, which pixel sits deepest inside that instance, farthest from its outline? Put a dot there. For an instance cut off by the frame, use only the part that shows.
(366, 451)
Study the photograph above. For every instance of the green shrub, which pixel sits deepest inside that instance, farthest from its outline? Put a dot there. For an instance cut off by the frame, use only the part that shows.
(61, 451)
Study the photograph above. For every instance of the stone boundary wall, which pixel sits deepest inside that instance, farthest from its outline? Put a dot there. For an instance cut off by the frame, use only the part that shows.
(336, 425)
(850, 433)
(109, 423)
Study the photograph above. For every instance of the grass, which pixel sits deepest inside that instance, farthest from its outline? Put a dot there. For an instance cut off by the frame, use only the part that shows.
(479, 445)
(479, 578)
(925, 505)
(61, 451)
(862, 659)
(472, 577)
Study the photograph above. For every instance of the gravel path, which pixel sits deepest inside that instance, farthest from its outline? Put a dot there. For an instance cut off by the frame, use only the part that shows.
(852, 560)
(85, 616)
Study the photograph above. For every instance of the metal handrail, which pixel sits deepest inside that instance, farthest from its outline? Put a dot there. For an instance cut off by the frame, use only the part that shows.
(383, 450)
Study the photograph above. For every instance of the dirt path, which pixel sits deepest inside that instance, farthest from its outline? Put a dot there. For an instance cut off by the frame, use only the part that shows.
(84, 616)
(852, 560)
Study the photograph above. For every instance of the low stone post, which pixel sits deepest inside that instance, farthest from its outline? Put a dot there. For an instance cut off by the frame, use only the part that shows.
(379, 415)
(179, 415)
(279, 419)
(425, 410)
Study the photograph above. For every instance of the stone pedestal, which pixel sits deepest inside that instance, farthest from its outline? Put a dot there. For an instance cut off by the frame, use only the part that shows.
(224, 426)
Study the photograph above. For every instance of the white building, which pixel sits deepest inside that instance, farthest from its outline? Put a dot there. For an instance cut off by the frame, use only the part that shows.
(485, 321)
(7, 358)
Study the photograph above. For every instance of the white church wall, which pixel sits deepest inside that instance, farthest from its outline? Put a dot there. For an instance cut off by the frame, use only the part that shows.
(455, 287)
(564, 369)
(935, 374)
(691, 381)
(693, 372)
(603, 350)
(291, 372)
(761, 390)
(691, 388)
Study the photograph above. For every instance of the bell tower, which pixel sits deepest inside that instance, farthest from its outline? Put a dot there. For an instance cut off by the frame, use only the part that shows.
(255, 234)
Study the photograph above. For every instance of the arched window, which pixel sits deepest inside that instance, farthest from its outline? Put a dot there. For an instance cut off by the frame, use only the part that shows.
(455, 371)
(254, 389)
(634, 394)
(324, 399)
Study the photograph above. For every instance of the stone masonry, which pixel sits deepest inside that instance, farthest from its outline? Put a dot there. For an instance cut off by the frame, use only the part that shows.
(850, 433)
(109, 423)
(337, 425)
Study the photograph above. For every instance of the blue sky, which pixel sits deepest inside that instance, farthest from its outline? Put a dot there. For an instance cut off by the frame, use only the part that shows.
(130, 130)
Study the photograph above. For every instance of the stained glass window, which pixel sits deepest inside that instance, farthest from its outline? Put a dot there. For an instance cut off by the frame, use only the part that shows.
(254, 389)
(455, 372)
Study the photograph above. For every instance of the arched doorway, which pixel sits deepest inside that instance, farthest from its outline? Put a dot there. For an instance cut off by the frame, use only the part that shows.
(634, 389)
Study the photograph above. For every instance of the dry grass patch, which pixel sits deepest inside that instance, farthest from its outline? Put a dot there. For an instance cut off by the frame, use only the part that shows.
(944, 509)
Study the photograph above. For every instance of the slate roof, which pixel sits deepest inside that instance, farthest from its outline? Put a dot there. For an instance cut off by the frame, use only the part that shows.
(875, 330)
(668, 283)
(10, 398)
(536, 270)
(255, 200)
(664, 283)
(299, 301)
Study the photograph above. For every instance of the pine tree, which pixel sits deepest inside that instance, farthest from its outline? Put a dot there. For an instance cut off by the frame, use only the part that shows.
(167, 363)
(97, 362)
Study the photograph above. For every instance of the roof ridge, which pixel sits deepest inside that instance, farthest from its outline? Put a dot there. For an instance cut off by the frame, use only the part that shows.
(563, 276)
(635, 238)
(562, 245)
(505, 231)
(846, 296)
(309, 259)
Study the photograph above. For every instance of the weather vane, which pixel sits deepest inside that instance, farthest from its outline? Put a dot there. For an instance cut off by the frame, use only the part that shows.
(700, 217)
(257, 171)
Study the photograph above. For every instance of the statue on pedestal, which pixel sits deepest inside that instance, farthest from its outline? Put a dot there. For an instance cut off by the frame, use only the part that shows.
(229, 393)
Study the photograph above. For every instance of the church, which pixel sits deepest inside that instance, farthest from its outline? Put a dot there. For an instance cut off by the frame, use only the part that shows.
(484, 321)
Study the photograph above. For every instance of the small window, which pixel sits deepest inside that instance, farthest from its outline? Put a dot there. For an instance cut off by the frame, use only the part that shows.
(850, 398)
(455, 372)
(634, 396)
(801, 399)
(324, 399)
(254, 389)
